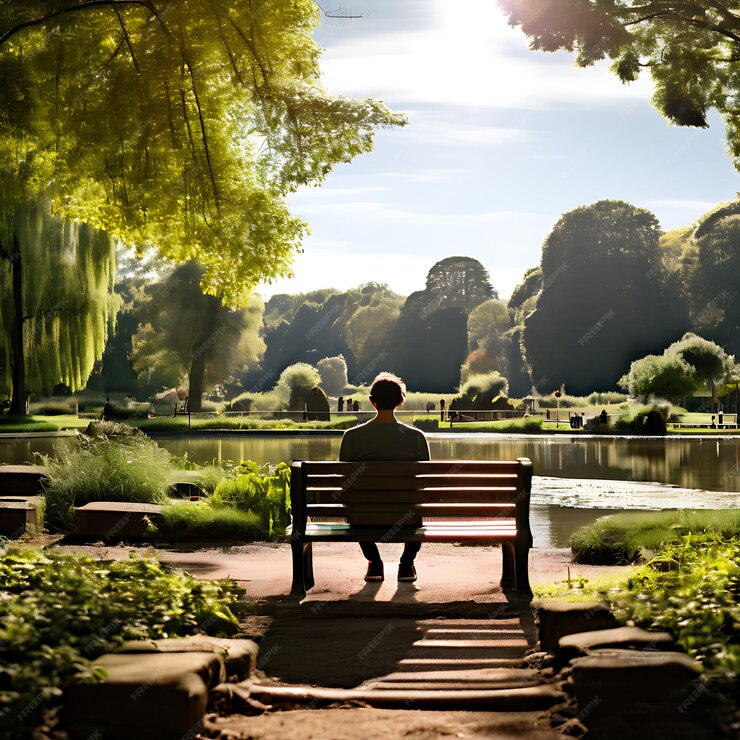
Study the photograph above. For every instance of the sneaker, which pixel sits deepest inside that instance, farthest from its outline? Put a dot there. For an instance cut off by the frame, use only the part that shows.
(374, 571)
(406, 572)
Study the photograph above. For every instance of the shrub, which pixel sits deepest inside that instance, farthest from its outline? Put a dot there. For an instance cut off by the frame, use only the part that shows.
(650, 420)
(200, 520)
(333, 372)
(131, 410)
(263, 494)
(127, 467)
(606, 398)
(209, 476)
(295, 382)
(317, 405)
(59, 612)
(427, 425)
(53, 407)
(242, 402)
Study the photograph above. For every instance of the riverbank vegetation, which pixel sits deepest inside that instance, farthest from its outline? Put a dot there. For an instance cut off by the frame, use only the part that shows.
(637, 536)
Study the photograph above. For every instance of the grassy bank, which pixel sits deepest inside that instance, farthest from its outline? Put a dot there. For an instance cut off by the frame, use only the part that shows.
(629, 537)
(236, 423)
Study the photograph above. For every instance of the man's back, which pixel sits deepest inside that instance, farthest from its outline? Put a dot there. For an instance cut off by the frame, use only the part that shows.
(383, 441)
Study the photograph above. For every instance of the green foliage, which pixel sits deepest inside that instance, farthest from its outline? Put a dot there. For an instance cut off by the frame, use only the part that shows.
(295, 383)
(186, 332)
(333, 373)
(219, 126)
(242, 402)
(59, 612)
(480, 390)
(67, 296)
(54, 407)
(126, 466)
(529, 425)
(427, 425)
(180, 423)
(265, 495)
(201, 521)
(629, 537)
(648, 420)
(690, 49)
(691, 589)
(602, 274)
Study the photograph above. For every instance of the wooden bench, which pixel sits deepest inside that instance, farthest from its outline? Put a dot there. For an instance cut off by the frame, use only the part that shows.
(479, 502)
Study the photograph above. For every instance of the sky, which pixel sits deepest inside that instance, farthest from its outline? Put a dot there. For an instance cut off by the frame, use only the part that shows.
(501, 142)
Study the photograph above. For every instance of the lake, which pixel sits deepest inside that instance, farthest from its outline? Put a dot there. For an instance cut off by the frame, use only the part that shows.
(577, 479)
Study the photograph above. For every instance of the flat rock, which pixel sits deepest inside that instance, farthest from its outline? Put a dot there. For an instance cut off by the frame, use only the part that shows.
(559, 618)
(619, 638)
(17, 514)
(144, 695)
(240, 656)
(22, 480)
(610, 682)
(112, 520)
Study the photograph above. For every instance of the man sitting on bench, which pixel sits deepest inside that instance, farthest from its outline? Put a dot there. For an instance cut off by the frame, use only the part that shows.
(386, 438)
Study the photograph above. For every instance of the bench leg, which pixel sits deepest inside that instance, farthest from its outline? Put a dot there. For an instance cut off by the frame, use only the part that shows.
(298, 550)
(308, 566)
(508, 574)
(521, 569)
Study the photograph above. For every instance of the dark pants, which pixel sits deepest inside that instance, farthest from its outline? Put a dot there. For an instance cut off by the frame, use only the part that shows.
(370, 551)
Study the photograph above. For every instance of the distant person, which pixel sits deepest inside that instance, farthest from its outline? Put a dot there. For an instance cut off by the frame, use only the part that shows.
(349, 404)
(107, 414)
(442, 409)
(547, 414)
(355, 405)
(583, 420)
(340, 404)
(386, 438)
(719, 417)
(713, 425)
(603, 417)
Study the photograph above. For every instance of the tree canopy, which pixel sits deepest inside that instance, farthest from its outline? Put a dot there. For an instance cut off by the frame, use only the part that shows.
(178, 124)
(604, 300)
(691, 48)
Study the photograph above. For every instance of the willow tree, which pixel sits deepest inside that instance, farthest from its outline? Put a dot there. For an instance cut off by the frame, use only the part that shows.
(56, 302)
(177, 124)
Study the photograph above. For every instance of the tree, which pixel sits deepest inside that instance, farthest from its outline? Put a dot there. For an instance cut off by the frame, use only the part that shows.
(333, 372)
(295, 383)
(605, 299)
(487, 327)
(223, 116)
(461, 282)
(190, 333)
(479, 392)
(691, 48)
(716, 293)
(56, 302)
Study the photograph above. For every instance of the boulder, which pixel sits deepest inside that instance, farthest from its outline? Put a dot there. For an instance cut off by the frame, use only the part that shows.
(113, 520)
(559, 618)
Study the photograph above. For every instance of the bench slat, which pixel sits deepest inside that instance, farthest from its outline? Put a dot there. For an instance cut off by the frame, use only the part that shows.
(391, 513)
(432, 495)
(406, 468)
(483, 480)
(485, 531)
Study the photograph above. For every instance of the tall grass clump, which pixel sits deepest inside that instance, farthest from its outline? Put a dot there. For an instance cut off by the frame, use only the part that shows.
(113, 463)
(264, 494)
(201, 521)
(633, 536)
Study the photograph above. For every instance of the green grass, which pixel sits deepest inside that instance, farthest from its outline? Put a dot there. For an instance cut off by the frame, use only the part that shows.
(629, 537)
(128, 467)
(530, 425)
(18, 424)
(229, 423)
(201, 521)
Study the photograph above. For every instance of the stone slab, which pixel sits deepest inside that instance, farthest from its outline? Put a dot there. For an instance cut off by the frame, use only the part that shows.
(240, 656)
(557, 619)
(17, 516)
(608, 682)
(22, 480)
(144, 695)
(113, 520)
(618, 638)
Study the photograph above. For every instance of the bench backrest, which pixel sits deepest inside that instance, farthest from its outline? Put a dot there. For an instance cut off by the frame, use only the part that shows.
(387, 493)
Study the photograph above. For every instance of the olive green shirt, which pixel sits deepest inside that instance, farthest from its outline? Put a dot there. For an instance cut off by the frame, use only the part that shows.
(380, 441)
